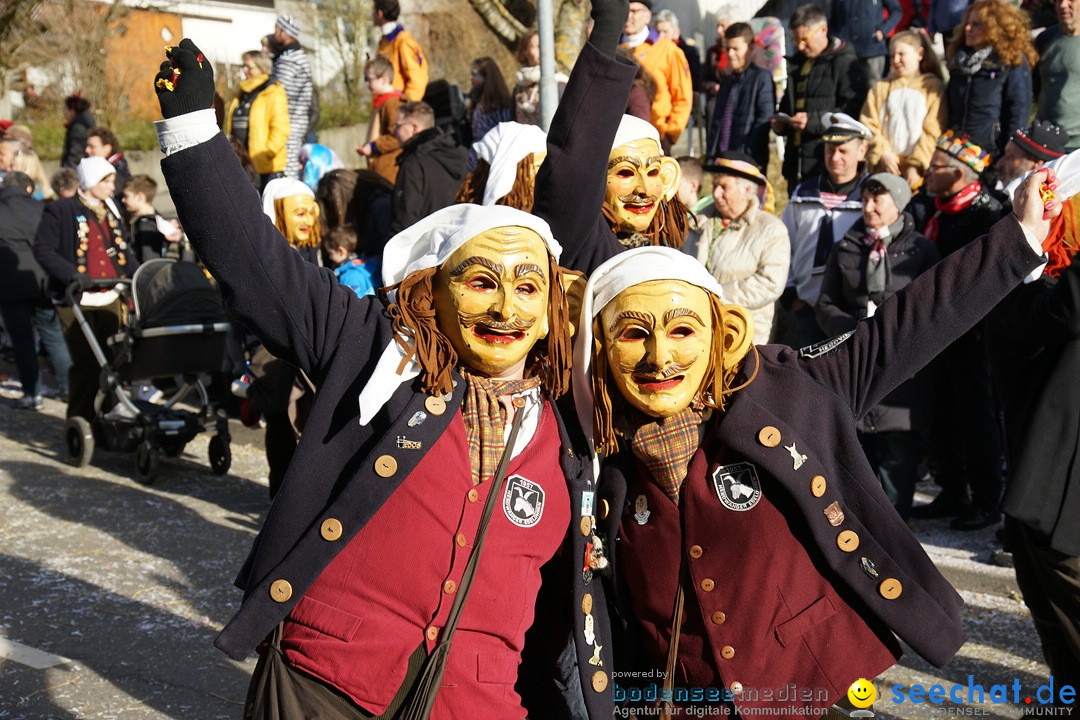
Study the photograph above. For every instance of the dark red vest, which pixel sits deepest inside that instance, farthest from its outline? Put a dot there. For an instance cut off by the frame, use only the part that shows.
(390, 589)
(761, 615)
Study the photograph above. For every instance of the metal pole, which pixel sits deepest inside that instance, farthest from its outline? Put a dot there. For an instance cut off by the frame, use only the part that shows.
(549, 90)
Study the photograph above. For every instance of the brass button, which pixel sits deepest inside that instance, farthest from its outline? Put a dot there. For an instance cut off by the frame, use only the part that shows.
(599, 681)
(281, 590)
(707, 585)
(435, 405)
(385, 466)
(719, 618)
(727, 652)
(460, 540)
(735, 688)
(604, 509)
(817, 486)
(695, 551)
(769, 436)
(847, 540)
(449, 587)
(473, 495)
(433, 633)
(586, 525)
(586, 603)
(890, 588)
(331, 529)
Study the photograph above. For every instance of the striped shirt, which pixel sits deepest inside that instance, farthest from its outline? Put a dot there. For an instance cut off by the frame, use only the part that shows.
(292, 70)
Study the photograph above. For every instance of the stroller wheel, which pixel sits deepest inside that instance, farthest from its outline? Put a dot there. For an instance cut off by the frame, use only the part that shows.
(220, 455)
(147, 459)
(78, 441)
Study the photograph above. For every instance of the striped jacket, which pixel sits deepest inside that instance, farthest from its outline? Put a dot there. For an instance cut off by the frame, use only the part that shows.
(292, 70)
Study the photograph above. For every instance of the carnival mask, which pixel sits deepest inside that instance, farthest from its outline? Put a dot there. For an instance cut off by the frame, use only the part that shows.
(658, 341)
(301, 214)
(639, 178)
(491, 299)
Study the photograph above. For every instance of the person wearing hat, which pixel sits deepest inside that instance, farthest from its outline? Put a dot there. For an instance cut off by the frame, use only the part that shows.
(351, 581)
(1029, 148)
(966, 436)
(819, 212)
(880, 254)
(293, 72)
(744, 248)
(398, 46)
(756, 545)
(79, 240)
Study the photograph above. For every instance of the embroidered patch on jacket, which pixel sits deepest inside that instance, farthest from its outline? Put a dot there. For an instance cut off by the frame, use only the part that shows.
(523, 501)
(737, 486)
(825, 346)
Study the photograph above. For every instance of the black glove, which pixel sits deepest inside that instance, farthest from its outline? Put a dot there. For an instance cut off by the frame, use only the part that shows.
(84, 281)
(185, 82)
(609, 17)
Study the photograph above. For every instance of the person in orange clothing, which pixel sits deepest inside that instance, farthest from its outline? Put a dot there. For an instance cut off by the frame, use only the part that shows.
(665, 61)
(402, 50)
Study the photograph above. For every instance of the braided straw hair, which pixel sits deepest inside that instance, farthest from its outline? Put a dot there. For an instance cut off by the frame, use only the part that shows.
(668, 227)
(731, 341)
(521, 194)
(417, 333)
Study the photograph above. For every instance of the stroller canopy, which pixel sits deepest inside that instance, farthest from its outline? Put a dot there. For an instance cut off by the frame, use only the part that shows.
(169, 292)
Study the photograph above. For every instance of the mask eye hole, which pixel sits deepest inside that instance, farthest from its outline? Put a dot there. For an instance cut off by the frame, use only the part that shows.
(681, 332)
(633, 334)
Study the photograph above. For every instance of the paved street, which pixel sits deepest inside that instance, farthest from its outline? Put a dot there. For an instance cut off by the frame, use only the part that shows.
(113, 592)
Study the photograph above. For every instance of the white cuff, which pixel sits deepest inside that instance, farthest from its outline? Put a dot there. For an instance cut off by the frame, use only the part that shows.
(1037, 247)
(187, 130)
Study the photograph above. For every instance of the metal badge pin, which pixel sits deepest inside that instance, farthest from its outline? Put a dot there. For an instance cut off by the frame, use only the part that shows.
(595, 659)
(868, 567)
(796, 456)
(418, 418)
(406, 444)
(641, 510)
(834, 514)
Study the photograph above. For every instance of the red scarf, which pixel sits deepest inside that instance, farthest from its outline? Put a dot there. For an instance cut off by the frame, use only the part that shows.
(386, 96)
(950, 206)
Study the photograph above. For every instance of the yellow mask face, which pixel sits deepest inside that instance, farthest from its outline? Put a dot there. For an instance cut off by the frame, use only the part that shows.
(639, 177)
(491, 300)
(658, 341)
(301, 214)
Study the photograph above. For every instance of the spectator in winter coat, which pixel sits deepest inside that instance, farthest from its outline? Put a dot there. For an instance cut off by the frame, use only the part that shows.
(402, 50)
(102, 142)
(77, 120)
(1059, 72)
(864, 24)
(745, 102)
(430, 168)
(259, 117)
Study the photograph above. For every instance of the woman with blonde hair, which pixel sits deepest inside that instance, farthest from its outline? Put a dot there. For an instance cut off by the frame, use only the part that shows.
(906, 111)
(990, 57)
(26, 161)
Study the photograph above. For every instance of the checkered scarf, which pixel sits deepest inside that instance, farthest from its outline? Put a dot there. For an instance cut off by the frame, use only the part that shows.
(485, 420)
(666, 446)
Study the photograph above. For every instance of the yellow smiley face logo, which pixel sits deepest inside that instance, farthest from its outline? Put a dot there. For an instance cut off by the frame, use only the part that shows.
(862, 693)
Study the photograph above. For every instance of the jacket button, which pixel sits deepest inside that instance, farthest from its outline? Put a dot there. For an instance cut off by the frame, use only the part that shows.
(281, 590)
(695, 551)
(890, 588)
(719, 618)
(604, 509)
(727, 652)
(432, 633)
(817, 486)
(460, 539)
(847, 541)
(735, 688)
(586, 603)
(707, 585)
(599, 681)
(331, 529)
(473, 495)
(449, 587)
(586, 525)
(435, 405)
(385, 466)
(769, 436)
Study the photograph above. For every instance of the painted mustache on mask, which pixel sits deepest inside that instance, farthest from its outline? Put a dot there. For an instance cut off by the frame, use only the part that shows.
(515, 324)
(649, 372)
(638, 199)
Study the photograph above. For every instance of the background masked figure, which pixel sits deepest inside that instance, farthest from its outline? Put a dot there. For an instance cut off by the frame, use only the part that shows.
(507, 158)
(350, 582)
(747, 502)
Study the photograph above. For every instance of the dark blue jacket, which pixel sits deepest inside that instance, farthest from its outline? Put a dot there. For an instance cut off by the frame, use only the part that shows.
(946, 15)
(857, 20)
(754, 101)
(990, 104)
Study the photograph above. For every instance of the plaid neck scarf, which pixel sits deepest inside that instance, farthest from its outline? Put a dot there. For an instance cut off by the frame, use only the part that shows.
(485, 420)
(666, 446)
(950, 206)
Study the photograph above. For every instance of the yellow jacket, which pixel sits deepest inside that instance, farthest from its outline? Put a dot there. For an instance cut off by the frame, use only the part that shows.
(410, 65)
(674, 95)
(268, 124)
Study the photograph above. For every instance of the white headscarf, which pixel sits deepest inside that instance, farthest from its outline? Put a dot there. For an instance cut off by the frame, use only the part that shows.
(633, 128)
(502, 148)
(427, 244)
(93, 170)
(620, 272)
(279, 188)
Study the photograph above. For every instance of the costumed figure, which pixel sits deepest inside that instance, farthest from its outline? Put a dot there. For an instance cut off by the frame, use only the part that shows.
(747, 504)
(507, 159)
(357, 579)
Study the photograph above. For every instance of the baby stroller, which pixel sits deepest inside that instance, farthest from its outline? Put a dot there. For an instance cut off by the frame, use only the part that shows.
(175, 334)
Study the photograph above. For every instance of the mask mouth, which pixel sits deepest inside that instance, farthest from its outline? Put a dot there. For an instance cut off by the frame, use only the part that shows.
(655, 384)
(500, 333)
(639, 204)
